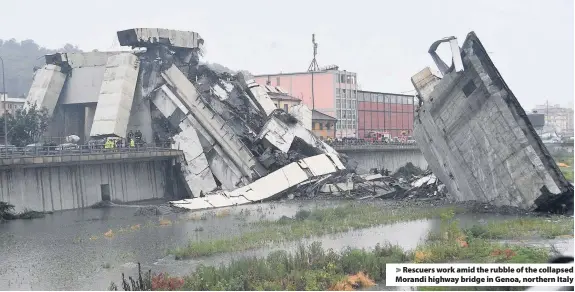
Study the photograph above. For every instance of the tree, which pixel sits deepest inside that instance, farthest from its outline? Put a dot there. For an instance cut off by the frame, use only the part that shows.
(26, 126)
(20, 58)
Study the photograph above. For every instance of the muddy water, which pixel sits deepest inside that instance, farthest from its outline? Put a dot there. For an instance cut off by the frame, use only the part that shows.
(70, 251)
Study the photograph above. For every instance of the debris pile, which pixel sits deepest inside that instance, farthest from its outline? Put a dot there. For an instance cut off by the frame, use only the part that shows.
(409, 182)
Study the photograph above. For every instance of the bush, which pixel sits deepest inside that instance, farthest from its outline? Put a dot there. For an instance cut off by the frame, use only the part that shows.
(6, 211)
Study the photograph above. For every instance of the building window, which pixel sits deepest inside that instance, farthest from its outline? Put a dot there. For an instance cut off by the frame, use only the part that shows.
(321, 126)
(277, 81)
(276, 105)
(341, 78)
(285, 107)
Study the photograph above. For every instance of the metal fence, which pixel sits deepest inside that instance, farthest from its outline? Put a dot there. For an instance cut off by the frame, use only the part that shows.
(73, 149)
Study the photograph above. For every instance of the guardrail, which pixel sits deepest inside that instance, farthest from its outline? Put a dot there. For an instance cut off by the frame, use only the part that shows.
(361, 143)
(45, 151)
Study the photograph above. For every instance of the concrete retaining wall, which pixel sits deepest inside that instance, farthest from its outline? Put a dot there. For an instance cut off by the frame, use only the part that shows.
(392, 160)
(79, 186)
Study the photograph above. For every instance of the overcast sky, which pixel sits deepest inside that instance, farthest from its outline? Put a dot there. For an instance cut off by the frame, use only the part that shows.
(384, 42)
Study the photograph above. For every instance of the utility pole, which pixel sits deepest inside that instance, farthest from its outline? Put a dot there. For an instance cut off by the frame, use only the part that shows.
(4, 106)
(313, 66)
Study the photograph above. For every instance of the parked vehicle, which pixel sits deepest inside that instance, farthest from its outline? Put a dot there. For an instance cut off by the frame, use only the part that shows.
(67, 146)
(376, 136)
(34, 148)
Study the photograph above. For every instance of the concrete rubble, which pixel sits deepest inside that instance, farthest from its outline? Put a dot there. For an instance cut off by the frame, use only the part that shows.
(237, 146)
(477, 138)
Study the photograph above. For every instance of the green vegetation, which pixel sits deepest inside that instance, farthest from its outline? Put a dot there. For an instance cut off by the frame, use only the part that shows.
(306, 224)
(20, 59)
(523, 228)
(7, 213)
(310, 268)
(453, 244)
(26, 126)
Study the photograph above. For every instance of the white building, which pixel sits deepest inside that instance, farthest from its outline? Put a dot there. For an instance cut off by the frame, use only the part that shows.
(12, 104)
(560, 118)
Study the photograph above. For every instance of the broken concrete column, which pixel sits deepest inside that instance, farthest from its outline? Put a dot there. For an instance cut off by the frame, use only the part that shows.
(116, 96)
(478, 140)
(46, 88)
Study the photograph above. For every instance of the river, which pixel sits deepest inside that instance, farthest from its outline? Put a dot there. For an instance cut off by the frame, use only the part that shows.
(68, 250)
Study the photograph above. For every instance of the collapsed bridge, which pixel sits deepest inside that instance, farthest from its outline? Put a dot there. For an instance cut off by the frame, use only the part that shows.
(231, 134)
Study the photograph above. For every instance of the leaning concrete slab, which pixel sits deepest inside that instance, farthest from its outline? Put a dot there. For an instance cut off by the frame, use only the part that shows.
(46, 88)
(220, 164)
(303, 114)
(116, 96)
(195, 169)
(258, 95)
(213, 123)
(478, 140)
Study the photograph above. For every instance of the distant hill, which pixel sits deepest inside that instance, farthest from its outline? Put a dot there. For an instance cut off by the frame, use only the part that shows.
(20, 58)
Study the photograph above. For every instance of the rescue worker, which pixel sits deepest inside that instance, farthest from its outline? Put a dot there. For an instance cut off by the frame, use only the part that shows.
(132, 143)
(138, 135)
(107, 144)
(131, 135)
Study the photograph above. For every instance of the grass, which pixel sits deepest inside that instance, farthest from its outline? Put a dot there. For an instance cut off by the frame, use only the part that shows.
(567, 170)
(306, 224)
(524, 228)
(453, 244)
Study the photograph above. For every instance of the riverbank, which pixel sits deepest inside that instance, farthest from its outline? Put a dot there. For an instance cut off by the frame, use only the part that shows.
(315, 268)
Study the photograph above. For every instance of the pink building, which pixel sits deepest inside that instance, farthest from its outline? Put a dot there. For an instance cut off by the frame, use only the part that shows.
(335, 94)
